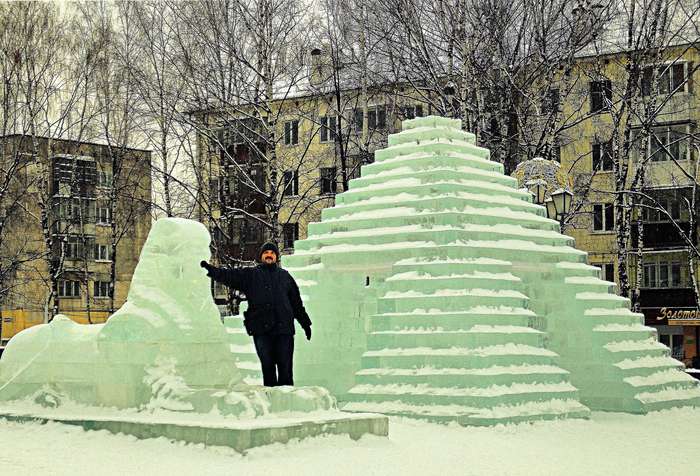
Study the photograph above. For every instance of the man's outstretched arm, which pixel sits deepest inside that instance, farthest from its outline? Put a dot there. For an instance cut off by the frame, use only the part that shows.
(298, 308)
(235, 278)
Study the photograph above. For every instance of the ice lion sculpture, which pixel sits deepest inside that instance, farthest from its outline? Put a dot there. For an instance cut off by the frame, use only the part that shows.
(165, 348)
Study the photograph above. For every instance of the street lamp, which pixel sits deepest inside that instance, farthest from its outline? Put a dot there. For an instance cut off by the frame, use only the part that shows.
(559, 205)
(538, 188)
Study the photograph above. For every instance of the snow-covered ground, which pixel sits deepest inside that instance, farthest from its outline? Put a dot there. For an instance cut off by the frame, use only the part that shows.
(610, 443)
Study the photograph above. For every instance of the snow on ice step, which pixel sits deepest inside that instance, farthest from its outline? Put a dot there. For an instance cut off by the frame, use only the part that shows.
(577, 269)
(426, 169)
(615, 332)
(479, 357)
(646, 365)
(422, 394)
(461, 213)
(464, 377)
(409, 280)
(449, 299)
(663, 377)
(477, 156)
(603, 300)
(621, 315)
(475, 193)
(670, 398)
(589, 283)
(440, 266)
(476, 336)
(453, 320)
(430, 133)
(540, 410)
(427, 184)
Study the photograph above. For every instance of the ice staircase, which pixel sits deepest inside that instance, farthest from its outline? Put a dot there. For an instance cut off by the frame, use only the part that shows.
(616, 361)
(463, 349)
(243, 349)
(439, 290)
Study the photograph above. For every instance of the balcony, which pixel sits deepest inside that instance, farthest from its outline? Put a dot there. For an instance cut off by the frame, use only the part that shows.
(663, 235)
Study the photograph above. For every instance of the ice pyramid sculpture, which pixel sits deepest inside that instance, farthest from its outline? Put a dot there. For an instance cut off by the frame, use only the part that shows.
(438, 289)
(165, 348)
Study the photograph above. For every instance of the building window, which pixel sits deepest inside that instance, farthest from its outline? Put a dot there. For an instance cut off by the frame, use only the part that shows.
(290, 183)
(101, 289)
(669, 142)
(103, 216)
(290, 233)
(71, 247)
(608, 270)
(291, 132)
(329, 127)
(602, 157)
(411, 112)
(329, 184)
(601, 95)
(656, 213)
(104, 179)
(376, 117)
(662, 275)
(603, 217)
(102, 252)
(252, 232)
(258, 177)
(358, 119)
(675, 343)
(64, 189)
(68, 288)
(70, 210)
(670, 77)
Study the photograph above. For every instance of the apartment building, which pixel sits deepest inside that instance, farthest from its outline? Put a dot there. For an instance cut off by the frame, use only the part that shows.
(76, 215)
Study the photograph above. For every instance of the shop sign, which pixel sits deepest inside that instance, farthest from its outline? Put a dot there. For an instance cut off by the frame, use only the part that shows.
(680, 317)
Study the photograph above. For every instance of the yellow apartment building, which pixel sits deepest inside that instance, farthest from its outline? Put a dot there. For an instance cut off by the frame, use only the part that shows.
(71, 215)
(318, 147)
(314, 138)
(665, 162)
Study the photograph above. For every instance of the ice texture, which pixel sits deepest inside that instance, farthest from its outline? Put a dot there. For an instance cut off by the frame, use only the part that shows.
(435, 260)
(165, 348)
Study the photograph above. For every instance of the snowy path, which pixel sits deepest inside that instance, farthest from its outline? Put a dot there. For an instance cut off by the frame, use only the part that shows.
(660, 443)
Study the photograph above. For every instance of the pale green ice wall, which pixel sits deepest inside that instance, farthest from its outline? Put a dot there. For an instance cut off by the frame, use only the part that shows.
(438, 289)
(165, 348)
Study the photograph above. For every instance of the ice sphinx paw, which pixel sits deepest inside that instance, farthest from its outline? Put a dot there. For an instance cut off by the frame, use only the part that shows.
(48, 397)
(248, 403)
(300, 399)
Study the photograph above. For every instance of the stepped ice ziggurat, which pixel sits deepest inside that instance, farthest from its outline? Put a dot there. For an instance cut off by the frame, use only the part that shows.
(439, 290)
(162, 363)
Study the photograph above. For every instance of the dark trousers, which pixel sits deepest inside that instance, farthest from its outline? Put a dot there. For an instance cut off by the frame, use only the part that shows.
(275, 353)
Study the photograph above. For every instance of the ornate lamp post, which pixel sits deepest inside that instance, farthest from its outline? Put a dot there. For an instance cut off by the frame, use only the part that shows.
(559, 205)
(538, 189)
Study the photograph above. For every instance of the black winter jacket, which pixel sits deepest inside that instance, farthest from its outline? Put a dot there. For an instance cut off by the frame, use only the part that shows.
(273, 298)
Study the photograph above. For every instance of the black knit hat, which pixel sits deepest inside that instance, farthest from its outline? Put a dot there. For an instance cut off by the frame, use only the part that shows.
(269, 246)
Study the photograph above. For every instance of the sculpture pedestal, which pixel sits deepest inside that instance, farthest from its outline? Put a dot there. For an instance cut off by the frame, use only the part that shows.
(239, 434)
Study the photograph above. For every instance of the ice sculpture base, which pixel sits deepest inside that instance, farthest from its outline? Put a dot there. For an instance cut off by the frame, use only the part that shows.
(239, 434)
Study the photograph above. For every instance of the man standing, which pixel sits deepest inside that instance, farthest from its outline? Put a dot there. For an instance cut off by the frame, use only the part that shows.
(273, 304)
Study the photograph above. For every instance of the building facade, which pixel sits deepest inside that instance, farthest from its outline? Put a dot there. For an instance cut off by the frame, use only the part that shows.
(318, 142)
(317, 151)
(661, 189)
(76, 216)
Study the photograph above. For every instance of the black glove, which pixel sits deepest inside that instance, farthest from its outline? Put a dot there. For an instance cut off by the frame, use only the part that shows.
(307, 331)
(206, 266)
